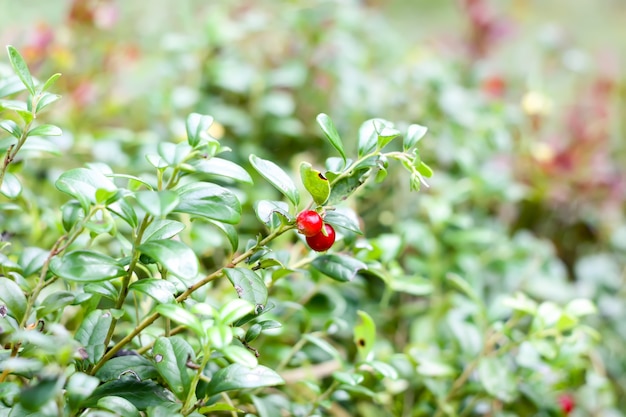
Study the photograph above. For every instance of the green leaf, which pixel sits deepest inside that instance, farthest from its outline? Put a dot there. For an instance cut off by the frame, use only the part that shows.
(83, 183)
(181, 316)
(580, 307)
(45, 100)
(45, 130)
(338, 267)
(12, 128)
(40, 145)
(235, 309)
(32, 259)
(331, 133)
(79, 387)
(162, 229)
(211, 409)
(343, 218)
(56, 302)
(237, 376)
(34, 396)
(497, 378)
(92, 333)
(50, 82)
(158, 203)
(159, 289)
(386, 133)
(342, 189)
(171, 356)
(12, 296)
(368, 136)
(424, 169)
(124, 211)
(134, 365)
(209, 201)
(240, 355)
(220, 336)
(197, 126)
(277, 177)
(249, 285)
(86, 266)
(230, 232)
(10, 85)
(142, 394)
(11, 187)
(414, 133)
(323, 345)
(266, 212)
(222, 168)
(365, 335)
(174, 153)
(175, 256)
(120, 406)
(21, 69)
(315, 183)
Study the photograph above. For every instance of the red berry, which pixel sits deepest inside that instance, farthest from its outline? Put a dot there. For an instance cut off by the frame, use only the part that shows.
(309, 223)
(566, 401)
(321, 242)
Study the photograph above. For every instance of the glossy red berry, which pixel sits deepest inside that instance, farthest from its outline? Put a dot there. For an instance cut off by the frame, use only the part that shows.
(309, 223)
(566, 401)
(321, 242)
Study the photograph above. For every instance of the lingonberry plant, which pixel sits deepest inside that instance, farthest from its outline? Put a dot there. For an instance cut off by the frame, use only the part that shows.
(119, 317)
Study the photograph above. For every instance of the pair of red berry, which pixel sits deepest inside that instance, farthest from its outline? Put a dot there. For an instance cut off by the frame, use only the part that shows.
(320, 236)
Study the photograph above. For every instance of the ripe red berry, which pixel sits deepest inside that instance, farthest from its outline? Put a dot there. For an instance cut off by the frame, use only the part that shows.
(321, 242)
(566, 401)
(309, 223)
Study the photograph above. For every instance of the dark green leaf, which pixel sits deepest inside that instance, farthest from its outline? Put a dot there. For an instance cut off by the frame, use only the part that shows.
(171, 356)
(79, 387)
(209, 201)
(159, 289)
(82, 184)
(120, 406)
(343, 218)
(56, 302)
(86, 266)
(315, 183)
(197, 126)
(12, 296)
(34, 396)
(158, 203)
(175, 256)
(45, 130)
(142, 394)
(222, 168)
(342, 189)
(497, 378)
(162, 229)
(331, 133)
(11, 187)
(413, 135)
(237, 376)
(21, 69)
(277, 177)
(92, 333)
(248, 284)
(32, 259)
(338, 267)
(105, 289)
(129, 365)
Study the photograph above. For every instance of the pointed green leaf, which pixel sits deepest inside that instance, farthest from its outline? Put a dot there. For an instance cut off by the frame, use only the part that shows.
(171, 356)
(11, 187)
(413, 135)
(277, 177)
(331, 133)
(162, 229)
(45, 130)
(175, 256)
(92, 334)
(197, 126)
(86, 266)
(237, 376)
(50, 82)
(158, 203)
(365, 335)
(338, 267)
(209, 201)
(315, 183)
(45, 100)
(12, 128)
(249, 285)
(13, 298)
(21, 69)
(159, 289)
(221, 169)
